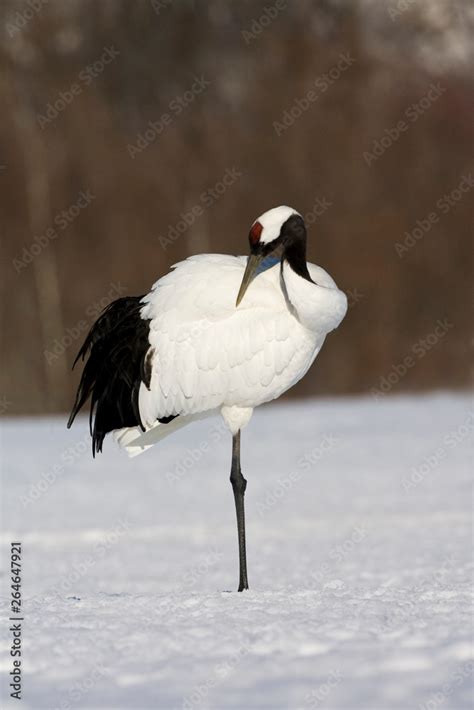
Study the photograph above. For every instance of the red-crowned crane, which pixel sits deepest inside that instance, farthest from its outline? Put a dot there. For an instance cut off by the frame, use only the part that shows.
(218, 333)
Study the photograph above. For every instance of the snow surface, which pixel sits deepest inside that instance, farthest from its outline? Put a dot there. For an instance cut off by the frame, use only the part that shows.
(360, 562)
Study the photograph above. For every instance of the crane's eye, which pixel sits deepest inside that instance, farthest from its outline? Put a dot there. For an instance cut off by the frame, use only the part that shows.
(254, 234)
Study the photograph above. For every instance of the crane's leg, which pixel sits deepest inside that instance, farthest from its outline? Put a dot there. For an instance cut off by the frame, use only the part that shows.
(239, 484)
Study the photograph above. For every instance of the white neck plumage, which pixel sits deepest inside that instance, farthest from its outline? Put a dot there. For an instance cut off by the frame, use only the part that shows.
(318, 306)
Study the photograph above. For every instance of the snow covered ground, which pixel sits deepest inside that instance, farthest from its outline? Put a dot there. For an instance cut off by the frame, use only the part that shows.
(360, 562)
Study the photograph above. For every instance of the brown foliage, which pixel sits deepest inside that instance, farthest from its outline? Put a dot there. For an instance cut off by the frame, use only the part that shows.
(119, 242)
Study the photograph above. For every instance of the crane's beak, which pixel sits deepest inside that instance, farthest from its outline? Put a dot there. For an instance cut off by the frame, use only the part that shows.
(253, 263)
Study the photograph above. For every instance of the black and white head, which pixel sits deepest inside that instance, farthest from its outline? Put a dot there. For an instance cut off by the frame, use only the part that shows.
(276, 236)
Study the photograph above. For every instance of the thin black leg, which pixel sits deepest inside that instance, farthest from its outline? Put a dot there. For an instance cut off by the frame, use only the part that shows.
(239, 484)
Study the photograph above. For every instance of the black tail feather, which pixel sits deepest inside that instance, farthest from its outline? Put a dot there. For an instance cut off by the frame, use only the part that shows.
(116, 346)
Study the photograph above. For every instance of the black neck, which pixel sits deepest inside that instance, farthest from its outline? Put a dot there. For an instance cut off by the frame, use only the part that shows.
(295, 255)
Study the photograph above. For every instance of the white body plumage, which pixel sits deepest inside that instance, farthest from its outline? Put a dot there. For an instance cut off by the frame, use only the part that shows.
(208, 355)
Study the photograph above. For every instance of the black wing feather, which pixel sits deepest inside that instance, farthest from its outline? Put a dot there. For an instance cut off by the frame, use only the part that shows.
(117, 347)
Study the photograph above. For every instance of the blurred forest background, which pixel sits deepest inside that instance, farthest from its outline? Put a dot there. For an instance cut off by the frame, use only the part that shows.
(136, 133)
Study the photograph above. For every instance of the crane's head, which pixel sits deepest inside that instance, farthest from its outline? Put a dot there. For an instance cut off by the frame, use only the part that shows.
(277, 234)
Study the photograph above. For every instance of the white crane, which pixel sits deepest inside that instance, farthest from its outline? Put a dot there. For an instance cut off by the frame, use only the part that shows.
(218, 333)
